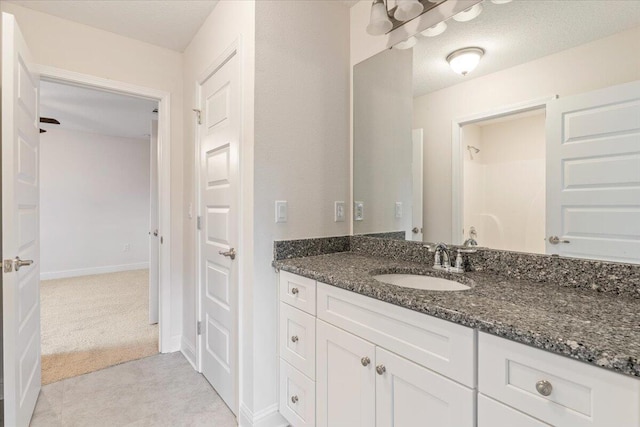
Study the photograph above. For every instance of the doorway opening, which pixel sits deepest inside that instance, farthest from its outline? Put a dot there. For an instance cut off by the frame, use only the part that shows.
(499, 213)
(98, 229)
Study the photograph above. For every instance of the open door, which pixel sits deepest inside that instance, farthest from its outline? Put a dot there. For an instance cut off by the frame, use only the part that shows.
(20, 227)
(593, 174)
(154, 243)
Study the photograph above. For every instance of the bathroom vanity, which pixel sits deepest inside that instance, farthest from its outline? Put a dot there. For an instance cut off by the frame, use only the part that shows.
(507, 352)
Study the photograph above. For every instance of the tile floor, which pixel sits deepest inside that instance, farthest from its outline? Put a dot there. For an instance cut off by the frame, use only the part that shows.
(161, 390)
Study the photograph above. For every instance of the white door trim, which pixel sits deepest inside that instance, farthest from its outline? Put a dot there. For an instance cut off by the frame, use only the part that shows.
(167, 343)
(234, 49)
(457, 162)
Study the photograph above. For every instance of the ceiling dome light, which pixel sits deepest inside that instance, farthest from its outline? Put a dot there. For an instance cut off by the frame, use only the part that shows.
(407, 44)
(500, 1)
(379, 22)
(436, 30)
(407, 10)
(463, 61)
(468, 14)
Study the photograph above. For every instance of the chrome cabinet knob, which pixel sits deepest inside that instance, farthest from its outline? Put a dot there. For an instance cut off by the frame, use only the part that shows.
(415, 230)
(294, 399)
(294, 291)
(294, 338)
(380, 369)
(365, 361)
(544, 387)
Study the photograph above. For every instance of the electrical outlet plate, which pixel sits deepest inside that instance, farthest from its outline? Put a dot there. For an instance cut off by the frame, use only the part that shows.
(398, 209)
(339, 212)
(358, 211)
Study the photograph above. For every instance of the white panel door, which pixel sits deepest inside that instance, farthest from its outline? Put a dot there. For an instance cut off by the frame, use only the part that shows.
(417, 161)
(345, 378)
(593, 174)
(154, 243)
(409, 395)
(219, 184)
(20, 227)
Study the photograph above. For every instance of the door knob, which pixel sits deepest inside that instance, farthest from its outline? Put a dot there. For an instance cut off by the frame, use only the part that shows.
(231, 253)
(21, 263)
(554, 240)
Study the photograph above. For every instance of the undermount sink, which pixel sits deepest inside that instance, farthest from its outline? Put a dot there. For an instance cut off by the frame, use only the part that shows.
(426, 283)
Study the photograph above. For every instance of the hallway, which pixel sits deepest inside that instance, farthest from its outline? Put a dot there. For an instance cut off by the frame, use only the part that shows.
(161, 390)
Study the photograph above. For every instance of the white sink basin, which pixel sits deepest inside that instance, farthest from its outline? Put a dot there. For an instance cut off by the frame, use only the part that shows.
(427, 283)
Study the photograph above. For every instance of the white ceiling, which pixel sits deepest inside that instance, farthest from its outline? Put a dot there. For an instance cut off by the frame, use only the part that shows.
(89, 110)
(170, 24)
(518, 32)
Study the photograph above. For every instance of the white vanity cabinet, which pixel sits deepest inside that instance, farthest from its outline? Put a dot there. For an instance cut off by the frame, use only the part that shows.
(350, 360)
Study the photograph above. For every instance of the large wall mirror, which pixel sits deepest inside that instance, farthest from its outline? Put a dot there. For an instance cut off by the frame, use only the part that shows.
(536, 149)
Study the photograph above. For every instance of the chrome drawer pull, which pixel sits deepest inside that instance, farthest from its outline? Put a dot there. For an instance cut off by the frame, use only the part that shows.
(294, 399)
(365, 361)
(294, 338)
(294, 291)
(544, 387)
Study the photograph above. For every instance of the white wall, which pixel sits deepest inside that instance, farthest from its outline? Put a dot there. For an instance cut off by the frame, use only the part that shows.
(79, 48)
(594, 65)
(504, 184)
(383, 146)
(301, 146)
(94, 195)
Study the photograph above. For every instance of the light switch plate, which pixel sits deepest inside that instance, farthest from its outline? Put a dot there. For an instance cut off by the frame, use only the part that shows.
(281, 211)
(398, 209)
(358, 211)
(339, 212)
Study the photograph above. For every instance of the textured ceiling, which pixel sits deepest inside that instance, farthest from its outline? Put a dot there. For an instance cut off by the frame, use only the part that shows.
(170, 24)
(93, 111)
(518, 32)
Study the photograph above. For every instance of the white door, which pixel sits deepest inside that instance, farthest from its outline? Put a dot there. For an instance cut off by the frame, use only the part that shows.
(409, 395)
(593, 174)
(219, 134)
(154, 240)
(20, 227)
(417, 161)
(345, 374)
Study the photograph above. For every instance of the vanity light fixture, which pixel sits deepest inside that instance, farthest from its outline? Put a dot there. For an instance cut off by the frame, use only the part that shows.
(468, 14)
(385, 17)
(407, 44)
(465, 60)
(436, 30)
(379, 22)
(407, 10)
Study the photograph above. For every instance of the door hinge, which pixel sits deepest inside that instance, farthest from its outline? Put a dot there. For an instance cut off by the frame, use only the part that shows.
(199, 328)
(199, 221)
(8, 265)
(198, 115)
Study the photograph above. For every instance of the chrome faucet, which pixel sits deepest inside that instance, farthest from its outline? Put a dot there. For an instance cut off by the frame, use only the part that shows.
(442, 258)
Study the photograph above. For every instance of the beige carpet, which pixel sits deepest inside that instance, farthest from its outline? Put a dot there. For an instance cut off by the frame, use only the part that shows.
(92, 322)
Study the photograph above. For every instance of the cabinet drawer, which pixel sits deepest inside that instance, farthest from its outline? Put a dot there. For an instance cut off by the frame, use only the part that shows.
(298, 291)
(439, 345)
(580, 394)
(297, 396)
(298, 339)
(494, 414)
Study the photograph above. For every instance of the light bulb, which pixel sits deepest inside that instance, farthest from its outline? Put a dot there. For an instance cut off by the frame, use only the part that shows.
(379, 22)
(407, 10)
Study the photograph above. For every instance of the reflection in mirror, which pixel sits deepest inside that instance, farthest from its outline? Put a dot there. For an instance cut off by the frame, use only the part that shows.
(537, 149)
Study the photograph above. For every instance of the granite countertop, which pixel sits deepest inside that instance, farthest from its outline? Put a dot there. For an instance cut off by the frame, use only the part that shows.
(592, 327)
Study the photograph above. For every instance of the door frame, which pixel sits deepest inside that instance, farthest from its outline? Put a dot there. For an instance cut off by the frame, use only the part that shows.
(166, 318)
(234, 49)
(457, 153)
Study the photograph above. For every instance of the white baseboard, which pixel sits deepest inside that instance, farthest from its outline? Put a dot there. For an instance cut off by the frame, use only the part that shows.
(189, 352)
(267, 417)
(93, 270)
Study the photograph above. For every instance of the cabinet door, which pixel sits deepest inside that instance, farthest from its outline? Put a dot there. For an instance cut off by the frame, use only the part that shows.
(408, 395)
(345, 375)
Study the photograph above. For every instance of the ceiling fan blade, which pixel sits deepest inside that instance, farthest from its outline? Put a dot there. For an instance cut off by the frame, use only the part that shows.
(42, 131)
(49, 120)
